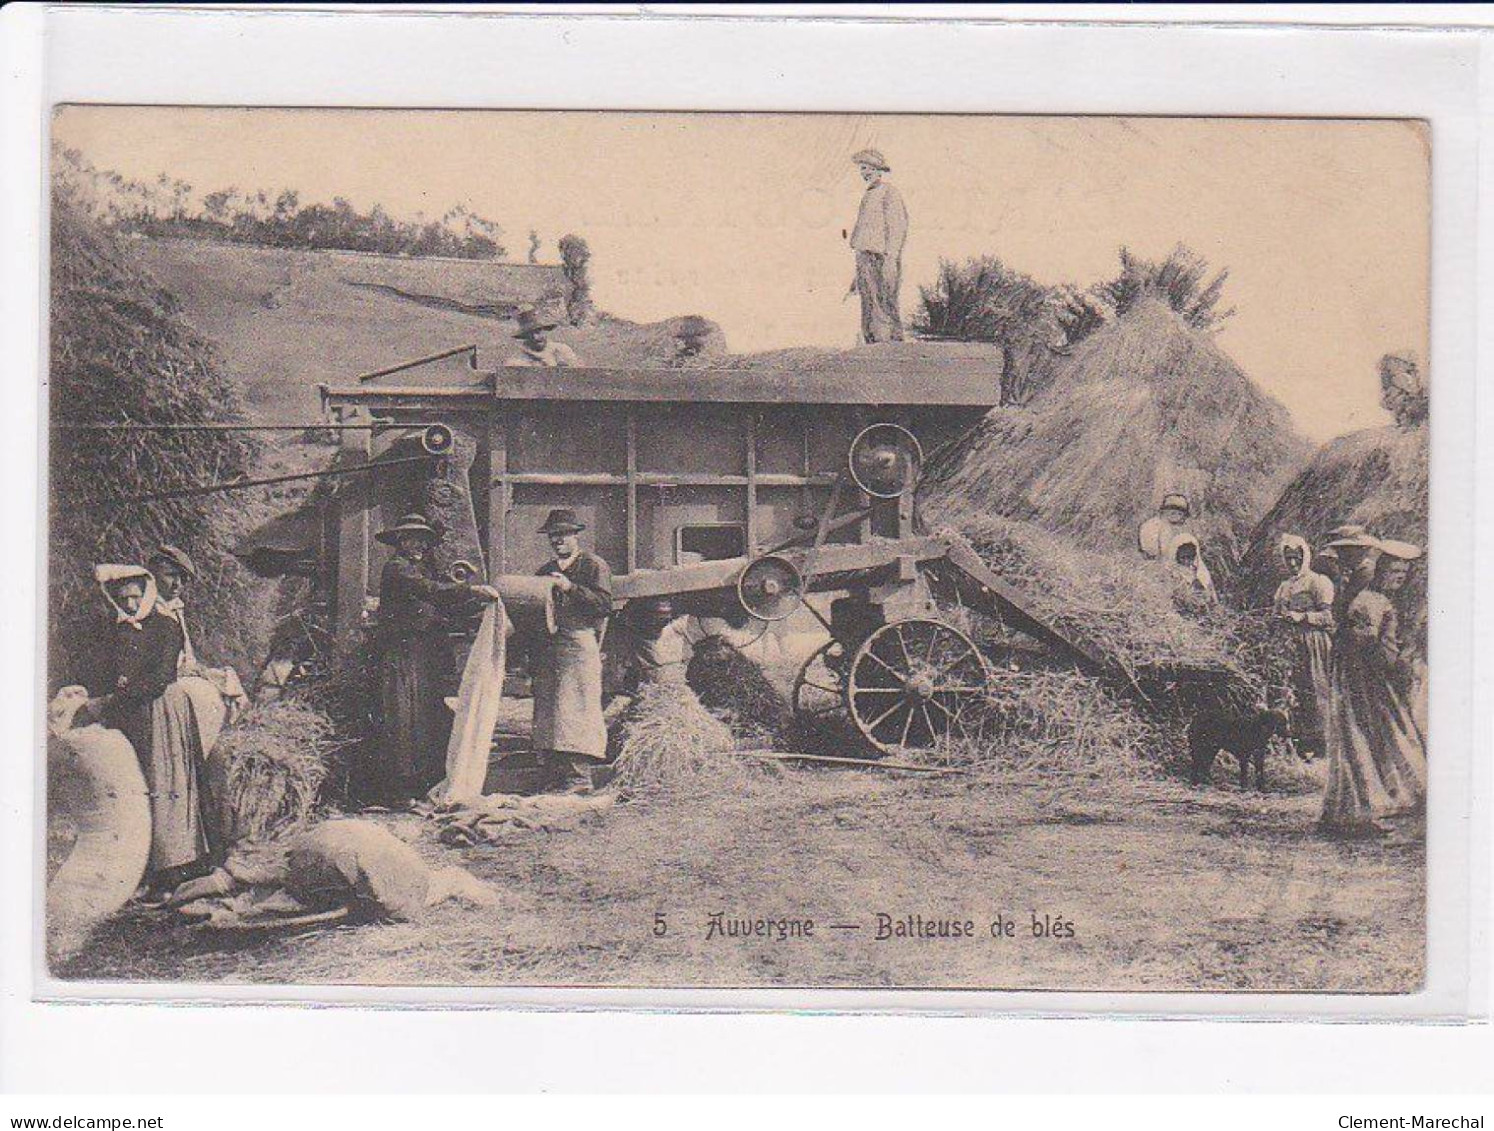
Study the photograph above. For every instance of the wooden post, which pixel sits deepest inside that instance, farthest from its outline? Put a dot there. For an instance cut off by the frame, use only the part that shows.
(806, 493)
(905, 512)
(631, 504)
(752, 484)
(498, 494)
(352, 532)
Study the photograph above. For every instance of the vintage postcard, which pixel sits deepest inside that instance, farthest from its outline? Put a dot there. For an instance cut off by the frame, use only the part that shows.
(703, 550)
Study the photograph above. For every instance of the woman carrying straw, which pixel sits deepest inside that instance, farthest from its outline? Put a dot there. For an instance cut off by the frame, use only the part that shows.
(415, 662)
(1377, 762)
(1304, 608)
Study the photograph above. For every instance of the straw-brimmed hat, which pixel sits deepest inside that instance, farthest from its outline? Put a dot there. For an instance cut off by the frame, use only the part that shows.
(562, 520)
(872, 158)
(1352, 534)
(411, 524)
(531, 323)
(1176, 502)
(1401, 551)
(177, 557)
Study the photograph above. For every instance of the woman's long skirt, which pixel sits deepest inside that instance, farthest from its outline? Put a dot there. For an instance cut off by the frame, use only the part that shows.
(1377, 762)
(411, 755)
(178, 804)
(568, 695)
(1312, 685)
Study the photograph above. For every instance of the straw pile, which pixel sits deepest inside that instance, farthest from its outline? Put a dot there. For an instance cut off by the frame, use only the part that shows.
(343, 688)
(120, 351)
(666, 741)
(1143, 406)
(733, 688)
(1060, 722)
(1377, 477)
(1120, 603)
(278, 755)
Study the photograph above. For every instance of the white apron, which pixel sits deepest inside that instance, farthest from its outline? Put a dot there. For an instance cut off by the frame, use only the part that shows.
(568, 695)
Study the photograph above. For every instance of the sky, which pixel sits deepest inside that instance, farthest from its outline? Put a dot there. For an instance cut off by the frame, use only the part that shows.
(1323, 225)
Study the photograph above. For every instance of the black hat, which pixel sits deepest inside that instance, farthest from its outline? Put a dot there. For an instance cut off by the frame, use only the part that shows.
(562, 520)
(411, 524)
(177, 557)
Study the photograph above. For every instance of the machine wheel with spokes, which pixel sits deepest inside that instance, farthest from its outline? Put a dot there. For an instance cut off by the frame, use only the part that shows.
(819, 695)
(913, 683)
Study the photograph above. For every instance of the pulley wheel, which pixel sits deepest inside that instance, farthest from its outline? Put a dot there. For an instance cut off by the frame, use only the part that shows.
(771, 588)
(462, 571)
(436, 439)
(885, 459)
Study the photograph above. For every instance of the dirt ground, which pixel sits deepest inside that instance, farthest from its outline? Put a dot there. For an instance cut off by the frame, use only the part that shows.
(1164, 887)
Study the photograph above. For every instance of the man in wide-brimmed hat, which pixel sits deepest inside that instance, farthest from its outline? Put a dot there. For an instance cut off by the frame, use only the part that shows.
(878, 238)
(569, 732)
(416, 669)
(536, 347)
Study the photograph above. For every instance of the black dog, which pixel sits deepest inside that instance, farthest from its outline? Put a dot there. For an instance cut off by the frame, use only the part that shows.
(1245, 734)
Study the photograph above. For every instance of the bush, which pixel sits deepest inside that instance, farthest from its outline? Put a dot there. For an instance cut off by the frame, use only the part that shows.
(983, 300)
(575, 258)
(161, 208)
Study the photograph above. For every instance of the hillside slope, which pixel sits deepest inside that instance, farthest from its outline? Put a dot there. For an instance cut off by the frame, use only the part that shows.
(283, 320)
(121, 350)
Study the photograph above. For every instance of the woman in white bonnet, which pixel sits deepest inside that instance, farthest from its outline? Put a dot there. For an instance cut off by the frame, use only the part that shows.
(1303, 607)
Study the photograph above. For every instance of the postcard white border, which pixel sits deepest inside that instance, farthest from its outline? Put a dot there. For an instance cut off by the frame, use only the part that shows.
(533, 61)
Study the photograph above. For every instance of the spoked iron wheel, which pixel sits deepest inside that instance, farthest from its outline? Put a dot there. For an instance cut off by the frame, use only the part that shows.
(819, 698)
(913, 683)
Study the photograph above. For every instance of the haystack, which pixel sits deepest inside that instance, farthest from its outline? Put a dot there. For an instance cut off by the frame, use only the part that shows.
(1121, 605)
(1144, 406)
(1377, 478)
(1063, 720)
(1055, 722)
(120, 351)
